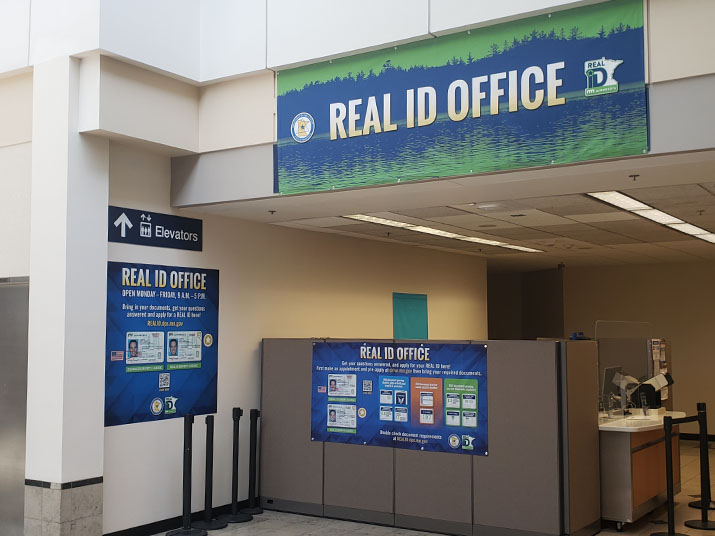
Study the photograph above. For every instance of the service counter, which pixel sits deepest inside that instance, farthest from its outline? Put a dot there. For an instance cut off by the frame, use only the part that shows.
(633, 465)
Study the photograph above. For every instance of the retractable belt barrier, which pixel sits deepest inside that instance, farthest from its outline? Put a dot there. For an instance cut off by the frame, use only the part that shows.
(186, 529)
(253, 508)
(703, 523)
(208, 522)
(235, 516)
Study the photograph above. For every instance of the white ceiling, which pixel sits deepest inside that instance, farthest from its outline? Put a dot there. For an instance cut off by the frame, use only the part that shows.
(539, 208)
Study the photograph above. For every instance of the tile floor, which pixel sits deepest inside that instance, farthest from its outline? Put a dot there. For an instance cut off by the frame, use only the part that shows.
(283, 524)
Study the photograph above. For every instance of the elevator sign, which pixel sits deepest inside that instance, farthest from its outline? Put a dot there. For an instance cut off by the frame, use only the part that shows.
(144, 228)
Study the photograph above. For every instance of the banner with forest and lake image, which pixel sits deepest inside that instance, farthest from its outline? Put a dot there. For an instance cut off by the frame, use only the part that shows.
(551, 89)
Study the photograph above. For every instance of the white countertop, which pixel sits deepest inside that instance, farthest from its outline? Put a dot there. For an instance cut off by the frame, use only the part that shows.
(636, 423)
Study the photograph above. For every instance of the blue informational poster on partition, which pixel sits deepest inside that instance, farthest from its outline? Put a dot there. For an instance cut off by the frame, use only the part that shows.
(161, 357)
(418, 396)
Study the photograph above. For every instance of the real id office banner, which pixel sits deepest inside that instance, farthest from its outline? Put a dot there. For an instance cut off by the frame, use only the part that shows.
(420, 396)
(161, 357)
(561, 87)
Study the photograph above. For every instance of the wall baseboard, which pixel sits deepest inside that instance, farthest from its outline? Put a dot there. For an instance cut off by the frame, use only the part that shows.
(166, 525)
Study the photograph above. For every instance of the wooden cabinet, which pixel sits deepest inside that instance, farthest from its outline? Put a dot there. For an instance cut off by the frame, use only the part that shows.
(633, 473)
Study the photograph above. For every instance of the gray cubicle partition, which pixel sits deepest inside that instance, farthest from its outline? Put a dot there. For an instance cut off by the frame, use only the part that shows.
(525, 485)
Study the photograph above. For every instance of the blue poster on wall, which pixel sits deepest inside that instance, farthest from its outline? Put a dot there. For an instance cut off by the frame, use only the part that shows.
(161, 356)
(420, 396)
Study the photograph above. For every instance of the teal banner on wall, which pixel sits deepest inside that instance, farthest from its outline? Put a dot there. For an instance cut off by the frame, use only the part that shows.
(553, 89)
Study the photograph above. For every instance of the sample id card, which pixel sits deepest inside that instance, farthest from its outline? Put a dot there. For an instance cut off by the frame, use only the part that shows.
(469, 401)
(386, 413)
(401, 415)
(385, 396)
(451, 400)
(427, 399)
(453, 418)
(182, 346)
(426, 416)
(401, 398)
(469, 418)
(342, 415)
(144, 347)
(342, 385)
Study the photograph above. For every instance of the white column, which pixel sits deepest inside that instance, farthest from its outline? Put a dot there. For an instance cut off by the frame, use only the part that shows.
(68, 256)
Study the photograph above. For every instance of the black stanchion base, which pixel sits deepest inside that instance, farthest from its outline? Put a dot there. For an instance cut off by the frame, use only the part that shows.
(252, 510)
(213, 524)
(235, 518)
(698, 505)
(187, 532)
(666, 534)
(700, 524)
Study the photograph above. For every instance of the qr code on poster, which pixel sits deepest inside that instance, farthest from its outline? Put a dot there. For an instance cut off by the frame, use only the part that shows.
(367, 387)
(164, 380)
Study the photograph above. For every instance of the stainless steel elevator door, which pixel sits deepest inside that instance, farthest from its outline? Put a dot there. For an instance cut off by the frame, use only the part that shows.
(13, 405)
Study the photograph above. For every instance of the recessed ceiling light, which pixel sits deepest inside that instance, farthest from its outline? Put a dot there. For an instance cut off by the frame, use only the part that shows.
(437, 232)
(688, 229)
(619, 200)
(658, 216)
(486, 206)
(380, 221)
(641, 209)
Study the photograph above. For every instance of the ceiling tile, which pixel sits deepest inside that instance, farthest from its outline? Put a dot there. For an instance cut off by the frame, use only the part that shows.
(431, 212)
(490, 206)
(373, 229)
(586, 233)
(656, 251)
(710, 187)
(475, 222)
(619, 215)
(520, 233)
(568, 205)
(530, 217)
(697, 248)
(643, 230)
(669, 194)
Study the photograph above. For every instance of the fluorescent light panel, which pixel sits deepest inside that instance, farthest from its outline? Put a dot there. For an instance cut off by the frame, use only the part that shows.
(438, 232)
(617, 199)
(658, 216)
(688, 229)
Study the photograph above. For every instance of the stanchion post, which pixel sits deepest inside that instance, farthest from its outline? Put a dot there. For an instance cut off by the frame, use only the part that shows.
(703, 523)
(235, 516)
(668, 426)
(253, 508)
(186, 529)
(208, 522)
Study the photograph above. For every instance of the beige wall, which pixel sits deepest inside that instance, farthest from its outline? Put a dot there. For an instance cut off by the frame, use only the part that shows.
(680, 38)
(275, 282)
(677, 299)
(237, 113)
(141, 104)
(15, 174)
(16, 109)
(15, 180)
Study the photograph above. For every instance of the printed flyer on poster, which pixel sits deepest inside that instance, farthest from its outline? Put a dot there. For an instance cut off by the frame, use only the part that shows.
(161, 357)
(419, 396)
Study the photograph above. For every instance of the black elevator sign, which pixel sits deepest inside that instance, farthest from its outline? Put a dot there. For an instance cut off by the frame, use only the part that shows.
(145, 228)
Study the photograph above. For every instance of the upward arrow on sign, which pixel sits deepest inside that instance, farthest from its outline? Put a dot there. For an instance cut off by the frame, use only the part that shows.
(124, 222)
